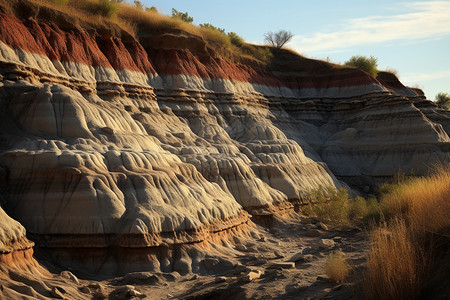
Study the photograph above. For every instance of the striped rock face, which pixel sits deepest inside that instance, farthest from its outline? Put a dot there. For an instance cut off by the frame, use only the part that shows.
(114, 142)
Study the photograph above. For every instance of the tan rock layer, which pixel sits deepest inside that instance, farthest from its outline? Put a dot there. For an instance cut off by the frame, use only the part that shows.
(110, 143)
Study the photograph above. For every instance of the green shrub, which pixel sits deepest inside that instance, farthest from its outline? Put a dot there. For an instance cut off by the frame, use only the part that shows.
(138, 5)
(339, 208)
(235, 39)
(184, 16)
(368, 64)
(210, 26)
(443, 100)
(105, 8)
(153, 9)
(215, 37)
(331, 206)
(262, 54)
(358, 208)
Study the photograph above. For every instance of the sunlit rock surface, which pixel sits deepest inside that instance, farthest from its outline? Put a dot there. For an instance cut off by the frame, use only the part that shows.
(110, 141)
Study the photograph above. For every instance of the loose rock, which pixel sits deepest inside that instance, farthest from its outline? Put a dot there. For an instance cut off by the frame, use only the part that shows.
(252, 276)
(220, 279)
(69, 275)
(278, 254)
(313, 232)
(323, 226)
(210, 263)
(297, 257)
(326, 243)
(307, 250)
(283, 265)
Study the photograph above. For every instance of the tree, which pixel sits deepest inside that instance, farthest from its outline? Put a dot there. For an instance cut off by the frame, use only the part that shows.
(182, 16)
(443, 100)
(368, 64)
(278, 39)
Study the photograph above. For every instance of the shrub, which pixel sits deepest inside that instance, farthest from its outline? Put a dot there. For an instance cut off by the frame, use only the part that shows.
(210, 26)
(339, 208)
(235, 39)
(263, 54)
(138, 5)
(337, 268)
(443, 100)
(153, 9)
(215, 37)
(105, 8)
(392, 71)
(368, 64)
(358, 208)
(184, 16)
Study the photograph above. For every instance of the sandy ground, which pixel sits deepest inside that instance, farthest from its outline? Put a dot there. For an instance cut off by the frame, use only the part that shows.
(286, 261)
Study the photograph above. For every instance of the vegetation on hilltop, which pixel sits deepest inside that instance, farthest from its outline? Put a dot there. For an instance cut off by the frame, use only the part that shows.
(278, 39)
(443, 100)
(368, 64)
(121, 18)
(140, 20)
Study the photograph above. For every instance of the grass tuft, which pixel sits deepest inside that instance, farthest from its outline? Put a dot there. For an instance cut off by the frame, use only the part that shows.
(403, 251)
(337, 268)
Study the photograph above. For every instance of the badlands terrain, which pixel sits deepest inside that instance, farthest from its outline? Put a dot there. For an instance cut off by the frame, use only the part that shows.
(151, 164)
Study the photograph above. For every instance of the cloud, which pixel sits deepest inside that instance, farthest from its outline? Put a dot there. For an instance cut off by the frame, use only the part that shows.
(424, 20)
(416, 77)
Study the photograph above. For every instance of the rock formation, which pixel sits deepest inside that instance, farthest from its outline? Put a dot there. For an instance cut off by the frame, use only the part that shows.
(110, 141)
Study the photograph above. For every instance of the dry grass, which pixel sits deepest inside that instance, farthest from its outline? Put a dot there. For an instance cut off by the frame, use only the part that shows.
(395, 266)
(337, 268)
(423, 202)
(75, 13)
(402, 250)
(392, 71)
(123, 18)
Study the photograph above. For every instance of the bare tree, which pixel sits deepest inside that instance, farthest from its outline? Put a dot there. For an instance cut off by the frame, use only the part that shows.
(278, 39)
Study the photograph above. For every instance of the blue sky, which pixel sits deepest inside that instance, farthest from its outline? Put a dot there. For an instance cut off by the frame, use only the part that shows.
(412, 37)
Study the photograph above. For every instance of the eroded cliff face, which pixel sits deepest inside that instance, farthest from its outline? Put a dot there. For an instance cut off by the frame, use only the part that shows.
(108, 141)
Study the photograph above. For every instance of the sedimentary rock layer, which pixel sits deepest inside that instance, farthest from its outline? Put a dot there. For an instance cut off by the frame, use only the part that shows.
(111, 141)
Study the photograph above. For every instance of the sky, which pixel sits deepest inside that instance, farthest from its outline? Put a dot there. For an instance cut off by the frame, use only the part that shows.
(412, 37)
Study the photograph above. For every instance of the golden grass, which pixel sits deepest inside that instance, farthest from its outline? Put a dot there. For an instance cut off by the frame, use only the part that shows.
(124, 18)
(337, 268)
(395, 265)
(121, 18)
(392, 71)
(75, 12)
(402, 248)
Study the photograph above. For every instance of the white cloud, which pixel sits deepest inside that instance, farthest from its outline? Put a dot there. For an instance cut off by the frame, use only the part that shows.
(417, 77)
(424, 20)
